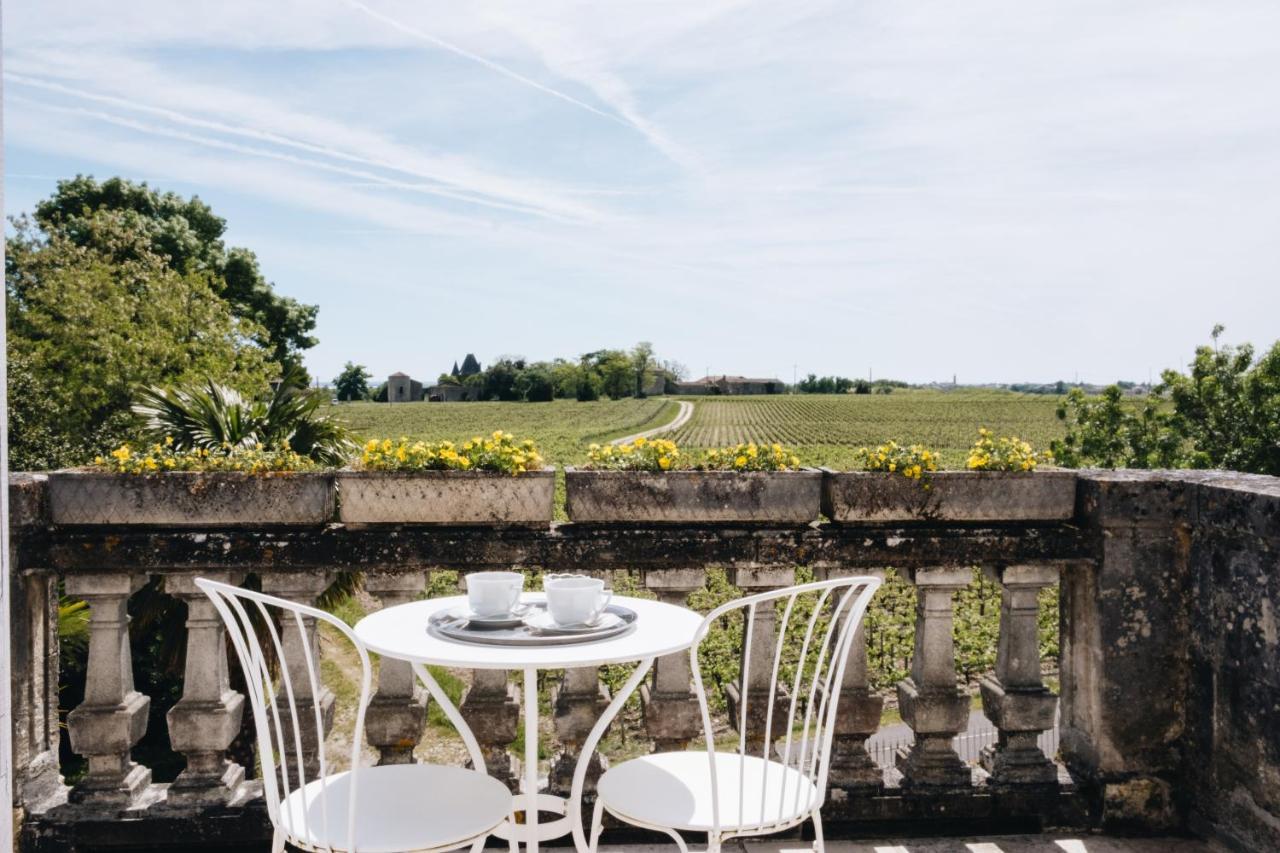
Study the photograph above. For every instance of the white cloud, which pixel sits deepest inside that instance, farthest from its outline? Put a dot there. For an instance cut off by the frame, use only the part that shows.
(1000, 189)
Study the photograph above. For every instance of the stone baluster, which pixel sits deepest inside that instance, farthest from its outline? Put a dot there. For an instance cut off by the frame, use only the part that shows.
(671, 712)
(206, 719)
(579, 700)
(113, 716)
(929, 700)
(303, 588)
(764, 638)
(34, 657)
(1015, 698)
(397, 712)
(857, 716)
(492, 710)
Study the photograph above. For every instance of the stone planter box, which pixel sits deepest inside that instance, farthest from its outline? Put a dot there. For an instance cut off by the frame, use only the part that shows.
(858, 496)
(190, 498)
(730, 497)
(446, 497)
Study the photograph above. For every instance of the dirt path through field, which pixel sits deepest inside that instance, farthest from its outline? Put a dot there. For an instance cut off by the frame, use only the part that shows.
(681, 418)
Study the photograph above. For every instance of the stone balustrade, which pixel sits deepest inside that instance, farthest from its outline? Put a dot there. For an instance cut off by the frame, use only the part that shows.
(1151, 688)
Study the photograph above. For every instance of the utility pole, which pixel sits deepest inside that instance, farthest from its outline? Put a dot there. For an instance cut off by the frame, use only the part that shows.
(794, 367)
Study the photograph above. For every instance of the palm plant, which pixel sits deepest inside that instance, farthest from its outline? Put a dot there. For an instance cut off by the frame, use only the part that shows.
(213, 416)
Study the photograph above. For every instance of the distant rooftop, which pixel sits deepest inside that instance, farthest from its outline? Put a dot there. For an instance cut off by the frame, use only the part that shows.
(711, 380)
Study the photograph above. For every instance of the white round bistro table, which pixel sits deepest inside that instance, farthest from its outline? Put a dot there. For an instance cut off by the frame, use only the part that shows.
(660, 629)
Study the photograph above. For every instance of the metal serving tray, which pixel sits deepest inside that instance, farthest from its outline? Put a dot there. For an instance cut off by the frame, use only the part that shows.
(451, 626)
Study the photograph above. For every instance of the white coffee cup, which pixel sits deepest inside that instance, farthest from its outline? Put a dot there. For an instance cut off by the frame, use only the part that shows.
(575, 599)
(494, 593)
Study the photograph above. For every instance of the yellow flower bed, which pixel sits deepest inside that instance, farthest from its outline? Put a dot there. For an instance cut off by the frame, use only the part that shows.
(1006, 453)
(162, 457)
(663, 455)
(639, 455)
(499, 452)
(915, 462)
(748, 457)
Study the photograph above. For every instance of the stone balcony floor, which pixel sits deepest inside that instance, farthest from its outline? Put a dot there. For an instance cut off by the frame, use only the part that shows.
(1045, 843)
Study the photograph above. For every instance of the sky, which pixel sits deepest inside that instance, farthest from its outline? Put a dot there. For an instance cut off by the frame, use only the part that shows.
(997, 191)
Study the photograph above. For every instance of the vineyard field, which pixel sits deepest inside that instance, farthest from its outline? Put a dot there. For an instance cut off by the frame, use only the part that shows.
(828, 429)
(563, 429)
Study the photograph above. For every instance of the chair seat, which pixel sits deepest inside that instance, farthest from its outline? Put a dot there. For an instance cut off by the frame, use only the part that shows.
(673, 789)
(399, 807)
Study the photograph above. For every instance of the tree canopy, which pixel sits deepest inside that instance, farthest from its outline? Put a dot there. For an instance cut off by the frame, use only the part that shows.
(187, 235)
(96, 314)
(1223, 413)
(352, 383)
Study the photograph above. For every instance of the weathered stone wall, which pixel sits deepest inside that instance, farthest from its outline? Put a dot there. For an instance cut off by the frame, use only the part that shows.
(1171, 653)
(1170, 699)
(1231, 747)
(1124, 646)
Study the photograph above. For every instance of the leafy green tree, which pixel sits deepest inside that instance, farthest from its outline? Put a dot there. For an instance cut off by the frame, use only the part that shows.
(535, 385)
(188, 236)
(1224, 414)
(352, 383)
(1106, 432)
(813, 384)
(642, 364)
(94, 317)
(615, 370)
(588, 387)
(1228, 407)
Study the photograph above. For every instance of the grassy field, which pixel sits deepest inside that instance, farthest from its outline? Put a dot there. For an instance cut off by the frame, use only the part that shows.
(563, 429)
(827, 429)
(822, 429)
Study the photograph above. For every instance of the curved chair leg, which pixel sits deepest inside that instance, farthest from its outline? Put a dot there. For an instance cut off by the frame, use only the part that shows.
(478, 845)
(679, 841)
(819, 843)
(597, 825)
(277, 842)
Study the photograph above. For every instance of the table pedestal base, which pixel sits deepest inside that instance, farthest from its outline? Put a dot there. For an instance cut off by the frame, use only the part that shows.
(544, 831)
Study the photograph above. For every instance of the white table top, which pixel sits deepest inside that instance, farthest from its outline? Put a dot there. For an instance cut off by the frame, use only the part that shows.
(401, 632)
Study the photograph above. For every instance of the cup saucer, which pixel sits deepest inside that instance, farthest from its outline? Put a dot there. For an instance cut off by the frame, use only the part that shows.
(506, 620)
(539, 619)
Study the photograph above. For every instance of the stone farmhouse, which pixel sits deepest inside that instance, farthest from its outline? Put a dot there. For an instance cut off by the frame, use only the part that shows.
(728, 385)
(402, 389)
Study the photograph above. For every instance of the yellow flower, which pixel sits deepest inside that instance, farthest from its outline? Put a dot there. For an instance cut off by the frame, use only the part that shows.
(664, 462)
(740, 462)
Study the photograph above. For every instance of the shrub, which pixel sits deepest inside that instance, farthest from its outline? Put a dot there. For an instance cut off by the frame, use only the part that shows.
(1006, 453)
(500, 452)
(212, 416)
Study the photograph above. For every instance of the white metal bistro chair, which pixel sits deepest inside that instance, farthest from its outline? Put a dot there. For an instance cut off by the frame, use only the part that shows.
(385, 809)
(744, 793)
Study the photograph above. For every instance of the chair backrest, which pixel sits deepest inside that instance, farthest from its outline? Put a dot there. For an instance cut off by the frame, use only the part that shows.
(278, 696)
(814, 625)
